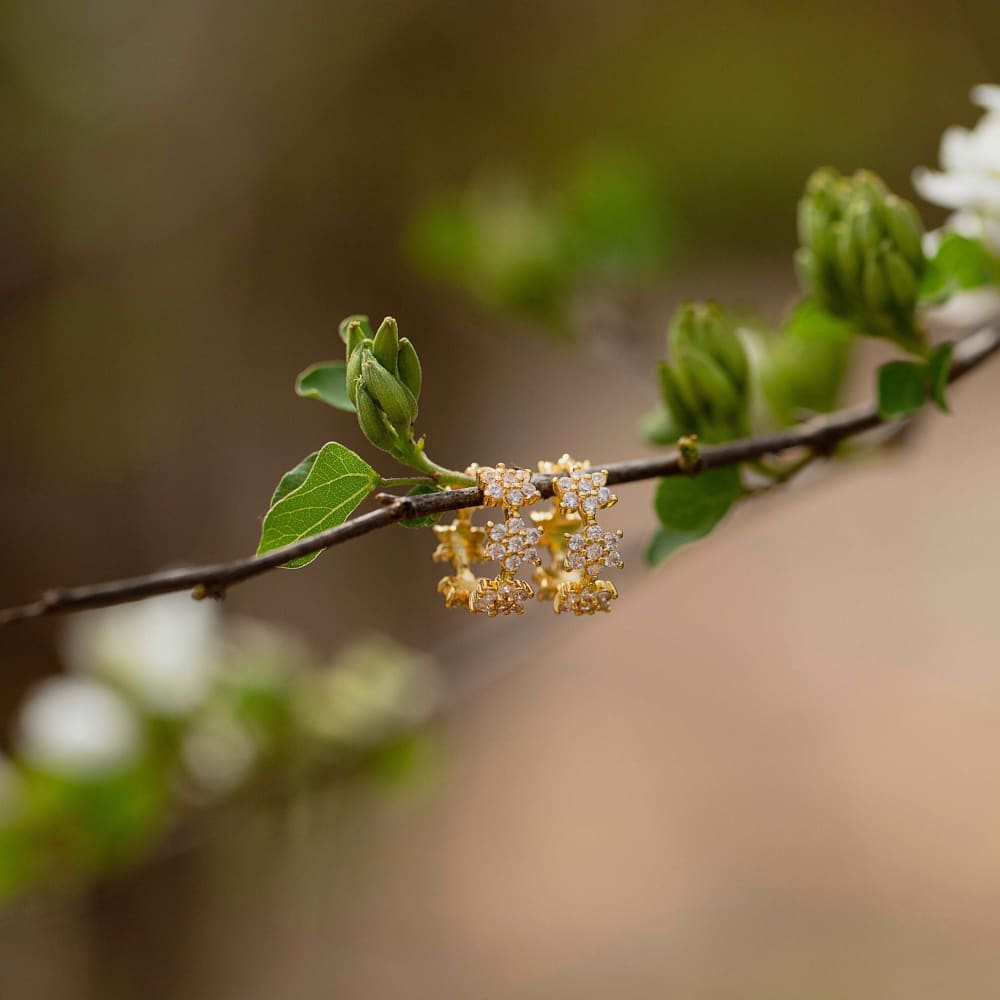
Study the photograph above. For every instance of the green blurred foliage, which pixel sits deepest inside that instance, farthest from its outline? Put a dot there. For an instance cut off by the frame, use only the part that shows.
(528, 253)
(267, 713)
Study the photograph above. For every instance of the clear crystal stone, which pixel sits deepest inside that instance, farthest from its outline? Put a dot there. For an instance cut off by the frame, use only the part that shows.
(603, 494)
(515, 525)
(594, 531)
(590, 504)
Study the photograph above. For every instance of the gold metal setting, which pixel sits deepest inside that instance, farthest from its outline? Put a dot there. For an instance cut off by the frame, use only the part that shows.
(580, 492)
(576, 546)
(461, 544)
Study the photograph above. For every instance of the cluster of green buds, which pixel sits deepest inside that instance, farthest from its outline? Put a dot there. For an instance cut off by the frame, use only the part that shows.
(705, 385)
(383, 382)
(861, 255)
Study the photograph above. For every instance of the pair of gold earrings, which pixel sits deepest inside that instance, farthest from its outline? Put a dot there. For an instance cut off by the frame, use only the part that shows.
(577, 547)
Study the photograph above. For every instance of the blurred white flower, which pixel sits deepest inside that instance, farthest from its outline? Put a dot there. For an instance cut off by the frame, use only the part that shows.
(374, 689)
(165, 651)
(969, 181)
(219, 752)
(77, 727)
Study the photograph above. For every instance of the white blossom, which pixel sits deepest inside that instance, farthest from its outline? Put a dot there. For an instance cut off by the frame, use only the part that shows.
(164, 651)
(219, 752)
(78, 727)
(969, 181)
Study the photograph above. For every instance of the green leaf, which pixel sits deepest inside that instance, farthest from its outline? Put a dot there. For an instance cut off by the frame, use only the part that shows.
(938, 369)
(335, 485)
(428, 519)
(293, 479)
(802, 367)
(658, 427)
(327, 382)
(667, 541)
(959, 264)
(690, 507)
(901, 388)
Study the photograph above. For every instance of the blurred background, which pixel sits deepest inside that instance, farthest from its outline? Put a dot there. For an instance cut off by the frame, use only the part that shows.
(772, 771)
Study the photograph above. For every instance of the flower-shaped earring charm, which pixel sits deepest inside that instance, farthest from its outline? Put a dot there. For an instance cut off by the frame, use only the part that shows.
(511, 544)
(583, 492)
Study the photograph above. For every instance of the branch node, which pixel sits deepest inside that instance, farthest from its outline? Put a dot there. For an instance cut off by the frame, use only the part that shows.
(688, 454)
(216, 591)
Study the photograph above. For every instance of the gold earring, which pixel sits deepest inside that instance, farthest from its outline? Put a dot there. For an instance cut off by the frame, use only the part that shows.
(461, 544)
(580, 493)
(556, 526)
(511, 543)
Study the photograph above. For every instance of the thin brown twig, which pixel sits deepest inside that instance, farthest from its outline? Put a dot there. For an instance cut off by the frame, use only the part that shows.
(820, 435)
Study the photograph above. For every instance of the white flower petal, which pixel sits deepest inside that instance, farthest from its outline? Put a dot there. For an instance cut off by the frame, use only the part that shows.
(165, 650)
(78, 727)
(986, 95)
(962, 190)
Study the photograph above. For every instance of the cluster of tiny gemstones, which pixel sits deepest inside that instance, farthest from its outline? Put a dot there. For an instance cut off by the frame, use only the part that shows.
(585, 598)
(582, 491)
(503, 487)
(500, 597)
(512, 543)
(593, 548)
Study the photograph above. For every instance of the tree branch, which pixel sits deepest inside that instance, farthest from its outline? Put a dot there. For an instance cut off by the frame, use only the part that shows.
(820, 435)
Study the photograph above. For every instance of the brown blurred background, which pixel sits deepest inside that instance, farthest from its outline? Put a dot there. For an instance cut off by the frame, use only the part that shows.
(772, 772)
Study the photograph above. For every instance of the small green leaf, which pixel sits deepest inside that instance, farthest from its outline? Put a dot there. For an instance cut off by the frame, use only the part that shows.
(802, 367)
(428, 519)
(335, 485)
(657, 426)
(901, 388)
(327, 382)
(667, 541)
(959, 264)
(292, 479)
(938, 369)
(690, 507)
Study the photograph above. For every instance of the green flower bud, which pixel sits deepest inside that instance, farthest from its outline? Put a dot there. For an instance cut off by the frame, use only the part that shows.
(362, 321)
(685, 417)
(353, 372)
(355, 337)
(720, 397)
(395, 400)
(386, 345)
(902, 281)
(851, 228)
(408, 367)
(848, 263)
(705, 386)
(877, 297)
(807, 268)
(903, 225)
(373, 422)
